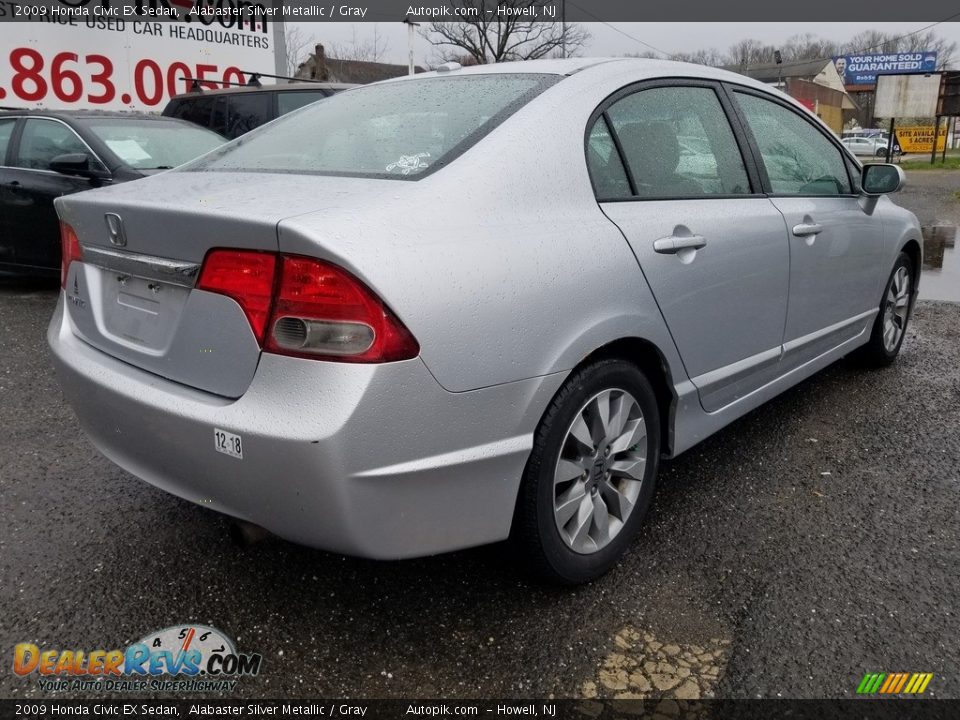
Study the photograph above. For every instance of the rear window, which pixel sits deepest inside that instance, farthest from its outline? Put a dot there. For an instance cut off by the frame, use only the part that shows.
(290, 101)
(195, 110)
(401, 130)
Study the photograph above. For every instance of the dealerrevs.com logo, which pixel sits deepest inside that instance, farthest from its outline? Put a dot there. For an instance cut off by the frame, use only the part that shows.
(181, 658)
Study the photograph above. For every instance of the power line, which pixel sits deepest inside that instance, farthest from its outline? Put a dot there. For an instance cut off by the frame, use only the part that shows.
(622, 32)
(792, 63)
(878, 45)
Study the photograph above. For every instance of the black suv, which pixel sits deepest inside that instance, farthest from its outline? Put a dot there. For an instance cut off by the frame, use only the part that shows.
(238, 110)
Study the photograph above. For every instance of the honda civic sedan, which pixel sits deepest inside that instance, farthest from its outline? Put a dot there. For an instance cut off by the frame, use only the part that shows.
(475, 304)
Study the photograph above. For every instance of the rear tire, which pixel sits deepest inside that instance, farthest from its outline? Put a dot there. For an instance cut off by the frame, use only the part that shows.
(591, 474)
(890, 325)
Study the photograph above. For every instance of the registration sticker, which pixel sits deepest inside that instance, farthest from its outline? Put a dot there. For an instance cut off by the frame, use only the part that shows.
(228, 443)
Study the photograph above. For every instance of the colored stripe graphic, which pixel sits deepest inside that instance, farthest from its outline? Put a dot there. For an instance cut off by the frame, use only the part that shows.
(901, 683)
(894, 683)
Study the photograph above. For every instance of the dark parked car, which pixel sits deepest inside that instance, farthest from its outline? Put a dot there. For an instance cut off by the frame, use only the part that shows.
(44, 155)
(238, 110)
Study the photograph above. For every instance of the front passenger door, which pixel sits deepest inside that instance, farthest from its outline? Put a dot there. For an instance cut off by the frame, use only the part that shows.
(713, 251)
(836, 248)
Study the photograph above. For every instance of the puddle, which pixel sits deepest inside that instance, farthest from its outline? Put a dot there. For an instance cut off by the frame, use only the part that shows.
(940, 276)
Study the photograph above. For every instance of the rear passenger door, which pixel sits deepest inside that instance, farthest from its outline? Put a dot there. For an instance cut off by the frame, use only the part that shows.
(836, 248)
(668, 169)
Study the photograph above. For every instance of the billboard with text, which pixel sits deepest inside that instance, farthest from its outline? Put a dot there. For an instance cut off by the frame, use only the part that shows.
(863, 69)
(85, 59)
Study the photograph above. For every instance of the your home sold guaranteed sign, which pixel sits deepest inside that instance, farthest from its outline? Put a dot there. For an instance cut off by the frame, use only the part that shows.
(863, 69)
(114, 55)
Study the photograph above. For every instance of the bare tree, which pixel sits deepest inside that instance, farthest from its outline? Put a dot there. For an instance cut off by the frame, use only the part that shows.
(298, 45)
(749, 52)
(507, 34)
(709, 56)
(873, 41)
(807, 47)
(372, 49)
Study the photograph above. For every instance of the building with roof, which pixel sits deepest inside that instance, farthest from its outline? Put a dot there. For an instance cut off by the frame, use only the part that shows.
(814, 83)
(327, 69)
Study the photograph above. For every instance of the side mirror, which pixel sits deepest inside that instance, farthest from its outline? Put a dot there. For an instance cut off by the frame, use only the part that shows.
(75, 164)
(880, 179)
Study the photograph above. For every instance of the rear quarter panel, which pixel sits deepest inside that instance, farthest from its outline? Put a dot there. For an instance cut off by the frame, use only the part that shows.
(501, 264)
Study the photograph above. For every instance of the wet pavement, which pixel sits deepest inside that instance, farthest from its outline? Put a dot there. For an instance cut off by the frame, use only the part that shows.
(813, 541)
(934, 196)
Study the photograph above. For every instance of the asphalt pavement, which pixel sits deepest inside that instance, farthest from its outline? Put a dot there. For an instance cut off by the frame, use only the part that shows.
(813, 541)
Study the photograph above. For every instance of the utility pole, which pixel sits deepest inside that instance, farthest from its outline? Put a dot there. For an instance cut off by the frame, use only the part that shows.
(411, 33)
(563, 21)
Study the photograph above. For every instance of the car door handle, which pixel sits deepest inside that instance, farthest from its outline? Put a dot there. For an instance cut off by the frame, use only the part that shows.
(807, 229)
(674, 244)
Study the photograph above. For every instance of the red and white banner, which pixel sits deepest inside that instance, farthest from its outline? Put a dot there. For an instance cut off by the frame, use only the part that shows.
(88, 61)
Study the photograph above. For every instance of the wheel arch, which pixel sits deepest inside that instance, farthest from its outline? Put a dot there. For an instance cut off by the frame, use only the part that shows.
(913, 251)
(649, 359)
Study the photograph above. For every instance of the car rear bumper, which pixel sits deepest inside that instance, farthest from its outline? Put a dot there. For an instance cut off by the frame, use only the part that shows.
(371, 460)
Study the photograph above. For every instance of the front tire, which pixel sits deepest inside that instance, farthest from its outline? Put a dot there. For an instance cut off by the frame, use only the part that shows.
(591, 473)
(890, 325)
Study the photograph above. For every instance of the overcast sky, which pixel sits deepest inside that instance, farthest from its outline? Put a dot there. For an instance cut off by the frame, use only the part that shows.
(605, 40)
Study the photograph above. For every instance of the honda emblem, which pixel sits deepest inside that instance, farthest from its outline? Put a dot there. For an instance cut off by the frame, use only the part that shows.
(115, 229)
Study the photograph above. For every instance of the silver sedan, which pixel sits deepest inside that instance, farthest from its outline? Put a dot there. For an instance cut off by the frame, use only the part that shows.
(475, 304)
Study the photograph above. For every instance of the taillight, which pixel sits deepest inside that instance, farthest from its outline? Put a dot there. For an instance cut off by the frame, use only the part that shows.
(308, 308)
(70, 250)
(247, 277)
(322, 311)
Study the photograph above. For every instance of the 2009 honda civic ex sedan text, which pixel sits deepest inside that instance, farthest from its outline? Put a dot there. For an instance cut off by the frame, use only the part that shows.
(478, 303)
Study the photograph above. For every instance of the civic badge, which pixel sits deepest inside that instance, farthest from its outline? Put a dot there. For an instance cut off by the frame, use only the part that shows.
(115, 229)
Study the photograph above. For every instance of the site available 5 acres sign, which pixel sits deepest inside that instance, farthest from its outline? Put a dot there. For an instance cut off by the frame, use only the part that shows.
(134, 62)
(919, 139)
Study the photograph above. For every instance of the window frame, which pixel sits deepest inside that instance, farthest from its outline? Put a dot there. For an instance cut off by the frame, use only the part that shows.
(13, 149)
(729, 111)
(732, 89)
(14, 137)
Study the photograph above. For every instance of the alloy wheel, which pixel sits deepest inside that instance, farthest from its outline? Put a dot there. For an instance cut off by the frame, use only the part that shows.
(600, 470)
(896, 309)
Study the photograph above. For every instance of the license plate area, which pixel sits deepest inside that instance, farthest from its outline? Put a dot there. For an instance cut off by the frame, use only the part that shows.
(140, 311)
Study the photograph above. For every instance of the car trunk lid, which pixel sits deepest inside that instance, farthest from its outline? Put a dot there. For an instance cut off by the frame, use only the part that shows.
(134, 293)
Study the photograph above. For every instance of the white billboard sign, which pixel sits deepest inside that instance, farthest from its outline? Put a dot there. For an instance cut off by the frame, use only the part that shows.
(907, 96)
(83, 59)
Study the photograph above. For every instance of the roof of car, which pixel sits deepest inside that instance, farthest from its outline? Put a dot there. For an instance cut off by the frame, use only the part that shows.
(296, 87)
(649, 67)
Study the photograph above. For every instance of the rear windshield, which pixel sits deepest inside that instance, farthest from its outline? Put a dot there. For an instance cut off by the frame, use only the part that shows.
(154, 144)
(401, 130)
